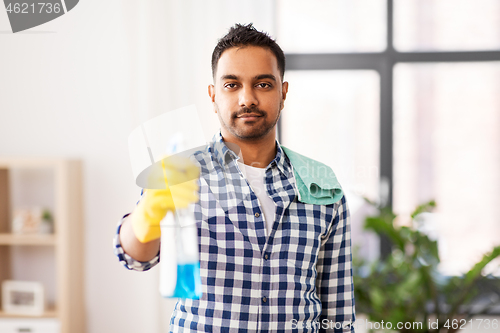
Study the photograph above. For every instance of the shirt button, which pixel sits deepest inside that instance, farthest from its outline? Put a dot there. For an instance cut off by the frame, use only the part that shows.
(264, 299)
(266, 257)
(257, 214)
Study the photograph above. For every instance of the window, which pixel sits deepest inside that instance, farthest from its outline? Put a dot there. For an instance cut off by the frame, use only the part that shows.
(437, 63)
(331, 25)
(447, 148)
(332, 116)
(446, 25)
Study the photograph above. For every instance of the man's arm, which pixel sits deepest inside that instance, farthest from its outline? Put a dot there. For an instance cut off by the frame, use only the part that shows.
(133, 247)
(138, 247)
(334, 282)
(128, 261)
(133, 253)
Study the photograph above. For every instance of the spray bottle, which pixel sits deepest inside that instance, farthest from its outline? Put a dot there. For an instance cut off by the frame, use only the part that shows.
(179, 264)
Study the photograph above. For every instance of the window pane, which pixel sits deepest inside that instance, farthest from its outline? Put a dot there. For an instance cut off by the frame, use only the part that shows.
(333, 117)
(446, 25)
(322, 26)
(447, 148)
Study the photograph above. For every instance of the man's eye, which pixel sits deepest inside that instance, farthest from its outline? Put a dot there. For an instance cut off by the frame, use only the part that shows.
(264, 85)
(230, 85)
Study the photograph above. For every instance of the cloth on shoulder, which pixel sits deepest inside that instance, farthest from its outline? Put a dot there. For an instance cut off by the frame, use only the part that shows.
(316, 182)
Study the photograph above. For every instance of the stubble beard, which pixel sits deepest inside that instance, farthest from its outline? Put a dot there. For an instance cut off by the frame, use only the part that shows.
(255, 132)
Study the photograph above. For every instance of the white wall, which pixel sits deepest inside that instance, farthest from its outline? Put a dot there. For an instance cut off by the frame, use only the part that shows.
(75, 87)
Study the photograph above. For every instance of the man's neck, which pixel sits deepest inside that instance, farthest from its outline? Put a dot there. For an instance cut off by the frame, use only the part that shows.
(258, 153)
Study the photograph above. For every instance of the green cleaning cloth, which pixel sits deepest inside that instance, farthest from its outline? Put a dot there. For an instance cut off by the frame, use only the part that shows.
(316, 182)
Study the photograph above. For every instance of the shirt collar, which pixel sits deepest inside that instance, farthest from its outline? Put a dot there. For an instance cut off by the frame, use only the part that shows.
(224, 155)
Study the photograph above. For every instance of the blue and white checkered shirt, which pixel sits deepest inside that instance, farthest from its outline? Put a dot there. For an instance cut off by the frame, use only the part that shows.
(298, 279)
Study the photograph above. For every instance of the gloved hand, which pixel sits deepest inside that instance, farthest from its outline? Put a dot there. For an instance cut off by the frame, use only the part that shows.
(155, 204)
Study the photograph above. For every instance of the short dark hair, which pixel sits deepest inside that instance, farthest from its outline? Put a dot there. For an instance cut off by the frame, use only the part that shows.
(247, 35)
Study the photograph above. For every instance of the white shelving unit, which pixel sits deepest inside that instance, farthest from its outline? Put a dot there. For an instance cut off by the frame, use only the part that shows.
(64, 248)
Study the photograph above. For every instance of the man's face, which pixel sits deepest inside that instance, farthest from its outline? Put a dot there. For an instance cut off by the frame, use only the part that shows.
(248, 94)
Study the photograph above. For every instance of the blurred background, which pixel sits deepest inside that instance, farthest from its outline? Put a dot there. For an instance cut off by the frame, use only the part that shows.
(400, 98)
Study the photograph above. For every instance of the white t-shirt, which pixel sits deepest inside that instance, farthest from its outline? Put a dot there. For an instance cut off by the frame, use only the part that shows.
(255, 177)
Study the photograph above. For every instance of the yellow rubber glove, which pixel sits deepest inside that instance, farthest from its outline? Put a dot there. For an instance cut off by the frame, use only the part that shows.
(155, 204)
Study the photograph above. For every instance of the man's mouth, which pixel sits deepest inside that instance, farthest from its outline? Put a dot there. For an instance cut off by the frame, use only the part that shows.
(249, 116)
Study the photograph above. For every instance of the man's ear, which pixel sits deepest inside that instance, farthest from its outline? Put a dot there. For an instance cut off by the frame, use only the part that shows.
(284, 91)
(211, 93)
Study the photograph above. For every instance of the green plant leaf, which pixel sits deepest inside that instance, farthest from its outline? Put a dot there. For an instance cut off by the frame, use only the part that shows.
(466, 284)
(475, 272)
(382, 226)
(426, 207)
(377, 299)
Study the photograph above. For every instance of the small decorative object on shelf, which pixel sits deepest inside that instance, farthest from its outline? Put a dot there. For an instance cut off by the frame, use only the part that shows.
(23, 298)
(47, 225)
(33, 220)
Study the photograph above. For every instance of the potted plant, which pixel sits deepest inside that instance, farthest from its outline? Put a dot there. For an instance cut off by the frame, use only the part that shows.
(406, 286)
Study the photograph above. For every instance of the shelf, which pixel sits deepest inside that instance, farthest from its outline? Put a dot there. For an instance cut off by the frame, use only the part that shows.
(55, 260)
(47, 314)
(14, 239)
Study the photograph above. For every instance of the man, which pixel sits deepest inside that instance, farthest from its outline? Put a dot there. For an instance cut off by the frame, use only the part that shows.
(269, 262)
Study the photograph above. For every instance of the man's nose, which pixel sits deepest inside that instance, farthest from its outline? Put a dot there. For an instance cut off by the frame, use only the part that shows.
(247, 97)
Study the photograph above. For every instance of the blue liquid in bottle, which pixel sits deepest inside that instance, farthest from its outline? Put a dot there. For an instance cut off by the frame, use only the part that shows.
(182, 242)
(188, 283)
